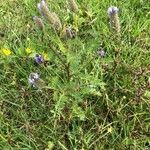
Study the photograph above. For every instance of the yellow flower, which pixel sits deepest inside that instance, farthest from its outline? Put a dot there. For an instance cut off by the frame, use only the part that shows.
(28, 50)
(45, 55)
(6, 52)
(109, 130)
(50, 145)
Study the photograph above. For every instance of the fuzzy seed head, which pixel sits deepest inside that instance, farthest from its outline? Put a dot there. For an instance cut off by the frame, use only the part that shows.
(38, 21)
(51, 17)
(44, 8)
(56, 21)
(73, 6)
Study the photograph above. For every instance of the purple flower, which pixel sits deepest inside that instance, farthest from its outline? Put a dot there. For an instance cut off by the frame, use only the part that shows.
(33, 77)
(101, 53)
(35, 81)
(39, 59)
(112, 10)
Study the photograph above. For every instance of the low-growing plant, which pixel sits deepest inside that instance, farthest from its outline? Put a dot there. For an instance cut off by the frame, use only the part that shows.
(69, 80)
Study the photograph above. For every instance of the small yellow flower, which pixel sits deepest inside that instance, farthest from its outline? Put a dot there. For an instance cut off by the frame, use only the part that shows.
(28, 50)
(6, 52)
(109, 130)
(50, 145)
(45, 55)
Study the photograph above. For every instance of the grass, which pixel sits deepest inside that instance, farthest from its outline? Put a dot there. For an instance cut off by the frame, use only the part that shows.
(89, 102)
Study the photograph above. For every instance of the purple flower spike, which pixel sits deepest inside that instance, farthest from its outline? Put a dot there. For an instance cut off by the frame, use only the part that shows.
(39, 59)
(112, 10)
(101, 53)
(114, 20)
(35, 81)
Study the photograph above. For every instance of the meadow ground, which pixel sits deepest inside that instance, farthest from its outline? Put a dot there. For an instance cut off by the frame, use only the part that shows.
(90, 100)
